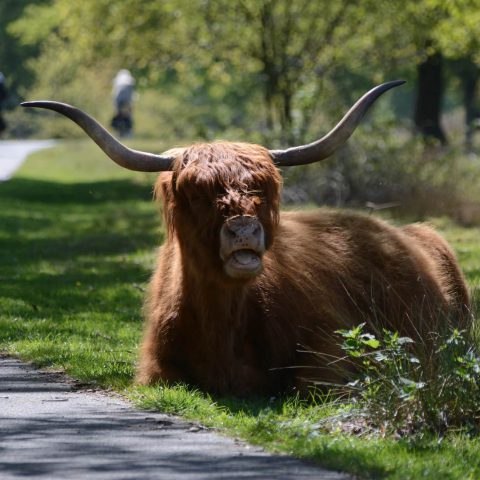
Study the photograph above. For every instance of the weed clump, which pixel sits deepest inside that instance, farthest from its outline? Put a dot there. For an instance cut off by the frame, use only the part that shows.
(407, 387)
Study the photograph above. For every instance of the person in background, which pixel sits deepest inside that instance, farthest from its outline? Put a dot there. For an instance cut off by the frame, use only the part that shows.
(123, 90)
(3, 98)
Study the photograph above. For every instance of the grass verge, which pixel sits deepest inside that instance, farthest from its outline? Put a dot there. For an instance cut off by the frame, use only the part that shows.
(77, 245)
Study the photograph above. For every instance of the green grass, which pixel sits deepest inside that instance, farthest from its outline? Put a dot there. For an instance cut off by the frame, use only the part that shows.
(77, 239)
(77, 246)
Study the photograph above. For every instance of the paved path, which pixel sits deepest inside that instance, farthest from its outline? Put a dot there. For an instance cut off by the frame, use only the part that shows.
(14, 152)
(51, 429)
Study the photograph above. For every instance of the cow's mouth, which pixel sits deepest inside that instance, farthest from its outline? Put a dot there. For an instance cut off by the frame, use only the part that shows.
(244, 263)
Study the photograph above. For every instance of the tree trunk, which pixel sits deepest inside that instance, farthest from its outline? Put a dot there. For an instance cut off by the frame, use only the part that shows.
(470, 75)
(429, 98)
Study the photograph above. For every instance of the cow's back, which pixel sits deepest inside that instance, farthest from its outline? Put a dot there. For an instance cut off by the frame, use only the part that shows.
(322, 249)
(447, 271)
(329, 270)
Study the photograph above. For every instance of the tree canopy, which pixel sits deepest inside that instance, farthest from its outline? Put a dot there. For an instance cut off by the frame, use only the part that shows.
(267, 65)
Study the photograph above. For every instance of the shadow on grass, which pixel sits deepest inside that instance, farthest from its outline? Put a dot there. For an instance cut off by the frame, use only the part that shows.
(73, 248)
(45, 192)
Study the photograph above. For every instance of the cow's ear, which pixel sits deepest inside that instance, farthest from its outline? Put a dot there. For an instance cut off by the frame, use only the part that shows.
(163, 189)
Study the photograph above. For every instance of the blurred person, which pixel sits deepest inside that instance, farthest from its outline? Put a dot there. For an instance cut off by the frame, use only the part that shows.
(123, 90)
(3, 99)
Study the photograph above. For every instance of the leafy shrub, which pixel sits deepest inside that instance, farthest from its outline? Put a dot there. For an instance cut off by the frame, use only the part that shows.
(408, 387)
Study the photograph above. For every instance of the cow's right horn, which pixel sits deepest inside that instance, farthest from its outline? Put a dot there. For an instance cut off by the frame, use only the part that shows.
(326, 146)
(119, 153)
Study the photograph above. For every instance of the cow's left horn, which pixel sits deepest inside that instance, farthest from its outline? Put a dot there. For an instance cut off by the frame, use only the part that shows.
(323, 148)
(119, 153)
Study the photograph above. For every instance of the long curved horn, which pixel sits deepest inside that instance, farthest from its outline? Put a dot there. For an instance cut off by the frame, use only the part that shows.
(323, 148)
(119, 153)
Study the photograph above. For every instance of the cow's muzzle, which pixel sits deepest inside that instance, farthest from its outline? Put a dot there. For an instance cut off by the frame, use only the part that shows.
(242, 245)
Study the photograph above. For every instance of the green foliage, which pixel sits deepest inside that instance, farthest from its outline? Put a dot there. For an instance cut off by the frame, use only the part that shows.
(267, 62)
(409, 387)
(457, 31)
(14, 54)
(264, 68)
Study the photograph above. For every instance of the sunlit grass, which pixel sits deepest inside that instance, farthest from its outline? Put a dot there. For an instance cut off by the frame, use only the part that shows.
(77, 245)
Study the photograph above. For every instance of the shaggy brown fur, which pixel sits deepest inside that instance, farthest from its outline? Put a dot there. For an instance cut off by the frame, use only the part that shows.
(322, 271)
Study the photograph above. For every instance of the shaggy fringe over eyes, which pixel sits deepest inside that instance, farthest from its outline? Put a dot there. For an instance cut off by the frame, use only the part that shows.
(235, 177)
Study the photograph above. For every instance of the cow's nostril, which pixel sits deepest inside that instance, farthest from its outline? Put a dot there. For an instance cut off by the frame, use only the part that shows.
(256, 231)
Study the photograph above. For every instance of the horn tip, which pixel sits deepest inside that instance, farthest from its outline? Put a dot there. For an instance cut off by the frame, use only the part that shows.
(38, 103)
(394, 83)
(384, 87)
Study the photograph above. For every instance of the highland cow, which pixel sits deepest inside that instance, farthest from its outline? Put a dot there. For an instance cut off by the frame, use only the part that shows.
(245, 298)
